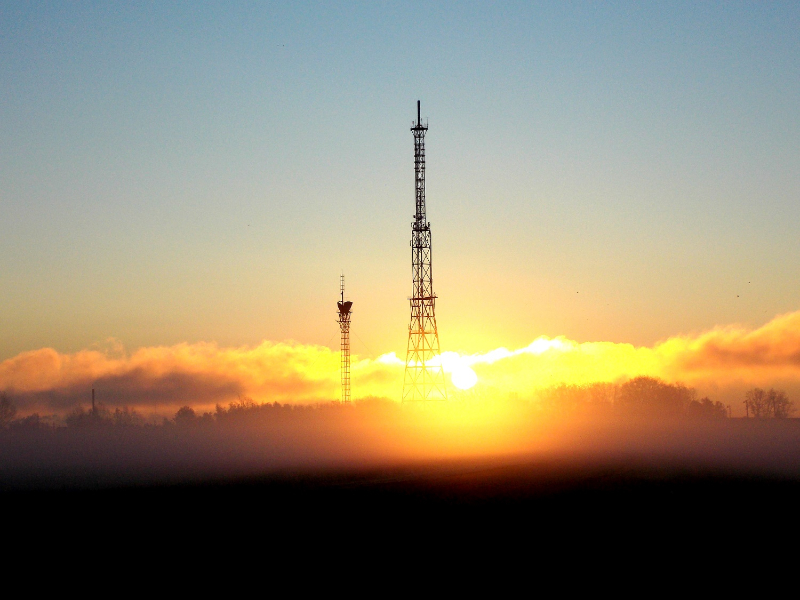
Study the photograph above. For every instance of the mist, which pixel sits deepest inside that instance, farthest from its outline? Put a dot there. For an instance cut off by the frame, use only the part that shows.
(248, 440)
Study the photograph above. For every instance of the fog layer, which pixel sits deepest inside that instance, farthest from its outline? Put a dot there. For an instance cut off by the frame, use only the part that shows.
(281, 441)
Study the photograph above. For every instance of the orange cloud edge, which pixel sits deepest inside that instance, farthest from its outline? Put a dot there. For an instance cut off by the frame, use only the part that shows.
(721, 363)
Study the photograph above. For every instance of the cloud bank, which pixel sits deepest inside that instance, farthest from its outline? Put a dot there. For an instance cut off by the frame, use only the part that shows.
(721, 362)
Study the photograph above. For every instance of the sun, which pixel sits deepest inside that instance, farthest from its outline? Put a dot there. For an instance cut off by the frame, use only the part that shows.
(463, 377)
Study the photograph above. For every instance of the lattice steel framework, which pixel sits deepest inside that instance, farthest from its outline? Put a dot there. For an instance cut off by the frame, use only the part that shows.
(424, 376)
(344, 327)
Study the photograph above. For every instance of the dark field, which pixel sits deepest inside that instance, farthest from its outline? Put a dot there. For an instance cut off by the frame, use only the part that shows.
(584, 484)
(520, 507)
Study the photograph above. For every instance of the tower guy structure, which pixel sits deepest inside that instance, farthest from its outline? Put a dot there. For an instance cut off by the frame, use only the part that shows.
(424, 375)
(344, 327)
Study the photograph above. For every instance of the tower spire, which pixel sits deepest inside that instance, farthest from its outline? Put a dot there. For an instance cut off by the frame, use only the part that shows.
(424, 376)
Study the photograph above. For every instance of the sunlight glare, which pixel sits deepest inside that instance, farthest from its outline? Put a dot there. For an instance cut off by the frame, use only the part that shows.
(463, 377)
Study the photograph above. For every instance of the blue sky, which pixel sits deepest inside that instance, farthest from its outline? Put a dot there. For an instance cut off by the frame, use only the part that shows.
(204, 171)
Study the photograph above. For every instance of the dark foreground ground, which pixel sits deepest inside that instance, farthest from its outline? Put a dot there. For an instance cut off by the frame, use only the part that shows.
(587, 494)
(484, 505)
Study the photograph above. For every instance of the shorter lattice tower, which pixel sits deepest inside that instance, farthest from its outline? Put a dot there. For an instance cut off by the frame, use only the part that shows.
(344, 326)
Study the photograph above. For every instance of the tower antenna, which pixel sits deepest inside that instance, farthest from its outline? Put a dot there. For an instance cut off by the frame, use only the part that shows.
(424, 375)
(344, 327)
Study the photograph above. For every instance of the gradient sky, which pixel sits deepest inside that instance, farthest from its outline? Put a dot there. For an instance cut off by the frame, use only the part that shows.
(186, 172)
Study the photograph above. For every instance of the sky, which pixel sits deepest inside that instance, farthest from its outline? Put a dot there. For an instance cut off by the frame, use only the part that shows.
(198, 175)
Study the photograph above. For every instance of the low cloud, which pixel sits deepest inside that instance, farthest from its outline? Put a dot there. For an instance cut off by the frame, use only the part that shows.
(721, 362)
(198, 374)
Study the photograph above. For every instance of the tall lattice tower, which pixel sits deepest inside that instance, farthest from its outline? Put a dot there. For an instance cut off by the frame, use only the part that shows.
(344, 326)
(423, 380)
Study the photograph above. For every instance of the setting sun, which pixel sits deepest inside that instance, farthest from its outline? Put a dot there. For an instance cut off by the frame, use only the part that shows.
(463, 376)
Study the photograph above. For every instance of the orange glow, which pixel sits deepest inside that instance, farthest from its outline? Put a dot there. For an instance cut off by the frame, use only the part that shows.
(720, 363)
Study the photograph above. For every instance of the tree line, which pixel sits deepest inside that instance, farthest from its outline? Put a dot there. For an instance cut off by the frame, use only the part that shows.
(650, 397)
(643, 397)
(242, 410)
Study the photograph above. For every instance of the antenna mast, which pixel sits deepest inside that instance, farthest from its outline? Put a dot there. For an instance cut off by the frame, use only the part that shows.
(344, 327)
(424, 376)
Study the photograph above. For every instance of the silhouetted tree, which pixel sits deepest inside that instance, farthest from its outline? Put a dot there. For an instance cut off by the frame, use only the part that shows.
(595, 398)
(602, 393)
(75, 417)
(243, 404)
(185, 416)
(706, 409)
(99, 417)
(563, 398)
(755, 402)
(7, 410)
(126, 417)
(649, 396)
(30, 423)
(779, 403)
(765, 404)
(245, 411)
